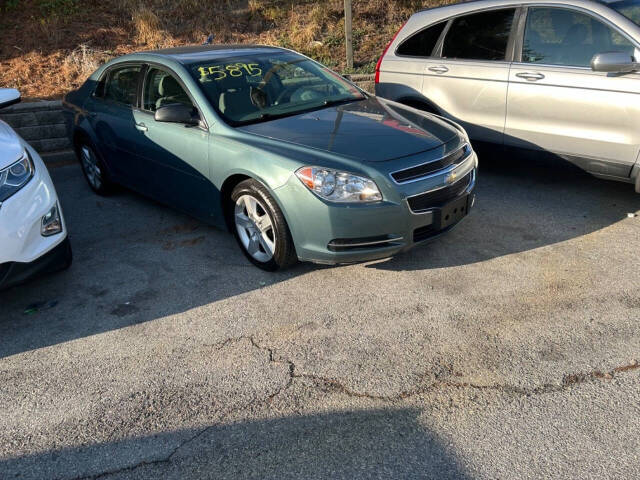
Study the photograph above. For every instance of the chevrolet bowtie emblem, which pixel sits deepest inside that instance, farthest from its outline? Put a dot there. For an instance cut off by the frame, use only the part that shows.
(451, 178)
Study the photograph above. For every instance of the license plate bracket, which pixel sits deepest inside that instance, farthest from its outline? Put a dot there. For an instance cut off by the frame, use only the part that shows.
(454, 211)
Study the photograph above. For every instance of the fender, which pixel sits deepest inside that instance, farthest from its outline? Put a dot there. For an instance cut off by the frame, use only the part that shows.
(421, 103)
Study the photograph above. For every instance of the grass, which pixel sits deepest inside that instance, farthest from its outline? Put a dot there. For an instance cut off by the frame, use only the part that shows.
(50, 46)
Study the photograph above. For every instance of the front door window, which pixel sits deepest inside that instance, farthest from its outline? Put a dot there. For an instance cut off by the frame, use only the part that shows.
(161, 89)
(558, 36)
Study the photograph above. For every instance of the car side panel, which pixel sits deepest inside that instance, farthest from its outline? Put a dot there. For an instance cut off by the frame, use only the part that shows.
(591, 117)
(114, 128)
(402, 78)
(176, 159)
(471, 93)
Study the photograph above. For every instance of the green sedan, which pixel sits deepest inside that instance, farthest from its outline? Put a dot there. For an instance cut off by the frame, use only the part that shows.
(296, 161)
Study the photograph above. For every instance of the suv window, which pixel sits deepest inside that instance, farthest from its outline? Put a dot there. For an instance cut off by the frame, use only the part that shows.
(121, 85)
(422, 43)
(557, 36)
(161, 89)
(480, 36)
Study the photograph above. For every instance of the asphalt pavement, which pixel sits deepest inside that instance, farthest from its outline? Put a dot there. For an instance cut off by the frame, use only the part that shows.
(508, 348)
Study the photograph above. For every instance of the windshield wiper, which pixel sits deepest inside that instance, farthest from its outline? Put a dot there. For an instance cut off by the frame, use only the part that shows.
(330, 103)
(272, 116)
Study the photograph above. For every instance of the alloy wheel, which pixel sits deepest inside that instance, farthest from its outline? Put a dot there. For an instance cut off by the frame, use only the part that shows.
(91, 167)
(255, 228)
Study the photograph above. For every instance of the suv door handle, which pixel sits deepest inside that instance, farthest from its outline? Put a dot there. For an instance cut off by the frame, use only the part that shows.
(142, 127)
(532, 77)
(439, 69)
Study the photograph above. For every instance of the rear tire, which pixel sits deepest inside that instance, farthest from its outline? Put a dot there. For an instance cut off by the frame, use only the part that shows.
(260, 227)
(93, 168)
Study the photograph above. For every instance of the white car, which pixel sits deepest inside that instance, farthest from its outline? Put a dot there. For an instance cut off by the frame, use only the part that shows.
(33, 234)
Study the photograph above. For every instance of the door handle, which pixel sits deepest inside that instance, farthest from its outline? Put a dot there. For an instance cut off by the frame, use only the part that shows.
(532, 77)
(439, 69)
(142, 127)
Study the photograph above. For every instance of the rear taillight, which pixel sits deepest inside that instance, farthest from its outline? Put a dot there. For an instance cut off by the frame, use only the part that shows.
(384, 52)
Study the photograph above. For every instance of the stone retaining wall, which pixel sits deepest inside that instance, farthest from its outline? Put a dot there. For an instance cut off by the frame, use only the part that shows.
(42, 125)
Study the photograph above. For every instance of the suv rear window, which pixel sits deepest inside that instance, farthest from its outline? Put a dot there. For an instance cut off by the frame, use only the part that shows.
(479, 36)
(422, 43)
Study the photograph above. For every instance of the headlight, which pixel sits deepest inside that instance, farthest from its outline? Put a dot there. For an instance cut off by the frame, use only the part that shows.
(337, 186)
(15, 176)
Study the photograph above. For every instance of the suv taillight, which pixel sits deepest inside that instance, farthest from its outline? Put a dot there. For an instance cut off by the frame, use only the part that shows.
(384, 52)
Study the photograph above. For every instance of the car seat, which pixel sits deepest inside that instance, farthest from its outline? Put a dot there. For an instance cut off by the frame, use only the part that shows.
(171, 91)
(235, 99)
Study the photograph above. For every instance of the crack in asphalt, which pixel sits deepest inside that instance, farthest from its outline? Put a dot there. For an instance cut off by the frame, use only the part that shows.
(194, 437)
(568, 381)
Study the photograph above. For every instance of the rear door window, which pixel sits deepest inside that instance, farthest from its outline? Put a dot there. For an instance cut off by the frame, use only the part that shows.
(558, 36)
(422, 43)
(480, 36)
(121, 85)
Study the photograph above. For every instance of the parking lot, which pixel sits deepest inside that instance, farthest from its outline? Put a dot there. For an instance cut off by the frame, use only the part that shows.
(508, 348)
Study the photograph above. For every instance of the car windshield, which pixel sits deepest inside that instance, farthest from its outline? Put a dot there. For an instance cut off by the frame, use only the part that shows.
(255, 88)
(628, 8)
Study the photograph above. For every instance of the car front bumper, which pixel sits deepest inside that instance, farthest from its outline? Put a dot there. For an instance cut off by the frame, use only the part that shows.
(23, 249)
(15, 273)
(337, 233)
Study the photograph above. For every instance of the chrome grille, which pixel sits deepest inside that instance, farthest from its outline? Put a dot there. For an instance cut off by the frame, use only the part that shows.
(420, 171)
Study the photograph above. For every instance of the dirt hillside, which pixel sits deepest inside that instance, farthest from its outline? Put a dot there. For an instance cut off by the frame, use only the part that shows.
(50, 46)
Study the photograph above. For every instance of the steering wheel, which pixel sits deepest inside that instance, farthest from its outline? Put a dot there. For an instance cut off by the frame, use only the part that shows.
(284, 93)
(304, 94)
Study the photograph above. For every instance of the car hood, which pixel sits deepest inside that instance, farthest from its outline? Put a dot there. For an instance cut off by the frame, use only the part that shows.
(11, 147)
(372, 130)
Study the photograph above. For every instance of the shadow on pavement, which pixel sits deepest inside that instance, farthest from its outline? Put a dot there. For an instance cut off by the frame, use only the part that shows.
(522, 206)
(136, 260)
(350, 445)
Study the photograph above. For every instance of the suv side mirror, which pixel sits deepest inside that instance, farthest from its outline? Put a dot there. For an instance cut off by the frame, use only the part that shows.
(177, 113)
(8, 96)
(614, 62)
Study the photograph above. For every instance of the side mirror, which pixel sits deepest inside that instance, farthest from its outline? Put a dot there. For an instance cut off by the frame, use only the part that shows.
(614, 62)
(8, 96)
(177, 113)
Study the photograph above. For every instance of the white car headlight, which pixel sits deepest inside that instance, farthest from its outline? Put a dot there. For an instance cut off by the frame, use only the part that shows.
(337, 186)
(15, 176)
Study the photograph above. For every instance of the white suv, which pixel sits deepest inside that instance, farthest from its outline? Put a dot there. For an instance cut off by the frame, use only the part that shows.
(33, 234)
(549, 77)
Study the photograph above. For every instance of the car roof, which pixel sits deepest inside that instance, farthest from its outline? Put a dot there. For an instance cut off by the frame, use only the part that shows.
(497, 3)
(193, 53)
(447, 11)
(504, 2)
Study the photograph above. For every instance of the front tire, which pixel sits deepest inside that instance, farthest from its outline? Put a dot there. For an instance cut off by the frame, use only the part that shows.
(260, 227)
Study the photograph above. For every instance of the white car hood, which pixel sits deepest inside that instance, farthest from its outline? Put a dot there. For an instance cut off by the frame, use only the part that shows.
(11, 146)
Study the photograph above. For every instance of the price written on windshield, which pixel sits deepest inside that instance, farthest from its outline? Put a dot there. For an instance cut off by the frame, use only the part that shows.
(219, 72)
